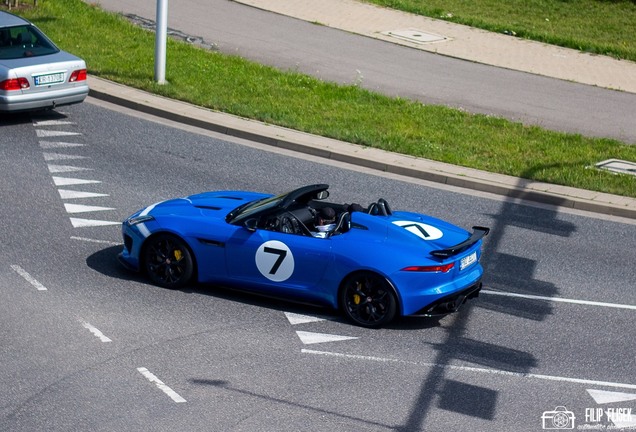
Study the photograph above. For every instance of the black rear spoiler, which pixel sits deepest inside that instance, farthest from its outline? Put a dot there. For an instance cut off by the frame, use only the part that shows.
(478, 234)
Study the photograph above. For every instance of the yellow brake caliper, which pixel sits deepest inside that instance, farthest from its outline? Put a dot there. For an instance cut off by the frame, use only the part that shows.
(178, 254)
(356, 297)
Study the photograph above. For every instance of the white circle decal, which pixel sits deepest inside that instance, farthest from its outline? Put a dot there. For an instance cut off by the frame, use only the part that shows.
(275, 261)
(427, 232)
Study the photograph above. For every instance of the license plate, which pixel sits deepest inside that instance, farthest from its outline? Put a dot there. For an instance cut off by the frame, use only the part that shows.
(49, 79)
(468, 260)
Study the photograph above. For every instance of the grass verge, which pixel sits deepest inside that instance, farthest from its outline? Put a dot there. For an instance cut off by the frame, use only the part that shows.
(115, 49)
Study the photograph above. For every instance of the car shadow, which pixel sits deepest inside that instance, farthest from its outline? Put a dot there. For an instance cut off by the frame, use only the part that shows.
(106, 263)
(13, 119)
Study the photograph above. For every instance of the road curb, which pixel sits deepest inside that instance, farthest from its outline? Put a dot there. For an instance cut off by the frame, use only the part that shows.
(424, 169)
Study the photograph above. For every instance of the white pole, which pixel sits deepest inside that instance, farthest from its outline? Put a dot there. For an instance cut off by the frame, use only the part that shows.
(160, 41)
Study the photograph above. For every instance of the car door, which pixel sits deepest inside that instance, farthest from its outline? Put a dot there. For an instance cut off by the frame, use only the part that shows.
(277, 262)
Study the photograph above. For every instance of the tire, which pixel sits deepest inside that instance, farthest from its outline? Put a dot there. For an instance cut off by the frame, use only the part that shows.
(167, 261)
(368, 300)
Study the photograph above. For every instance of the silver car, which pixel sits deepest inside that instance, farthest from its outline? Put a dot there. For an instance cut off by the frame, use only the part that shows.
(34, 73)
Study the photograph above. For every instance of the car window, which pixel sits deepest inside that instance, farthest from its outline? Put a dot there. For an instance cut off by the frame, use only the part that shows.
(24, 41)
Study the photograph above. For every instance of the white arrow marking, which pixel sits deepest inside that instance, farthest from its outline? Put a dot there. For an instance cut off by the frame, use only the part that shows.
(60, 156)
(309, 338)
(46, 133)
(70, 194)
(164, 388)
(81, 208)
(52, 123)
(84, 223)
(65, 168)
(295, 318)
(605, 397)
(65, 181)
(58, 144)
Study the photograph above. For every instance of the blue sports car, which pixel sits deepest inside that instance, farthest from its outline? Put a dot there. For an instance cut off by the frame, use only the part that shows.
(372, 263)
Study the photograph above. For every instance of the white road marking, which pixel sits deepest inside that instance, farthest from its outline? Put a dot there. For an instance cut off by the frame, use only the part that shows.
(474, 369)
(81, 208)
(605, 397)
(60, 156)
(53, 169)
(52, 122)
(48, 133)
(90, 240)
(84, 223)
(95, 331)
(65, 181)
(164, 388)
(58, 144)
(309, 338)
(71, 194)
(30, 279)
(557, 299)
(295, 318)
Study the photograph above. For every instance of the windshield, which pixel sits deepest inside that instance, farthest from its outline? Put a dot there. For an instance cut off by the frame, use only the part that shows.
(247, 210)
(24, 41)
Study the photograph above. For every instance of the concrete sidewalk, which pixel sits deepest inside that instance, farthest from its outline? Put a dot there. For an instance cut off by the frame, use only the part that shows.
(459, 41)
(363, 156)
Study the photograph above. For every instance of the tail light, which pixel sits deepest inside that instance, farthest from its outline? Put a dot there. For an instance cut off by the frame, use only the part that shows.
(14, 84)
(78, 75)
(442, 268)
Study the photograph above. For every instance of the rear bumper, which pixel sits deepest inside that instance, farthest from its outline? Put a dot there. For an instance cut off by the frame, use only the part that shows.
(450, 303)
(17, 102)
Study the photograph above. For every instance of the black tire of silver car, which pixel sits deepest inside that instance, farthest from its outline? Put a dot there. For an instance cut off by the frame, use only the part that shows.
(167, 261)
(368, 300)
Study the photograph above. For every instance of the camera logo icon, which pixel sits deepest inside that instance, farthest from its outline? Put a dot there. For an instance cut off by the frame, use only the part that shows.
(560, 418)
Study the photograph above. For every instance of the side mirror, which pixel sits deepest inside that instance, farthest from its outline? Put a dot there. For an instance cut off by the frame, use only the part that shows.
(322, 195)
(250, 224)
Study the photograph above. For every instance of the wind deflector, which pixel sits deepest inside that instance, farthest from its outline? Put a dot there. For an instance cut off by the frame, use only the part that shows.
(478, 234)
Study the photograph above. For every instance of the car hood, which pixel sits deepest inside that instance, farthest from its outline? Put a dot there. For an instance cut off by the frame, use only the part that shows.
(215, 204)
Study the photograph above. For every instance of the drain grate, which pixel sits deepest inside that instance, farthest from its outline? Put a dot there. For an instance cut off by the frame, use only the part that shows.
(414, 35)
(618, 166)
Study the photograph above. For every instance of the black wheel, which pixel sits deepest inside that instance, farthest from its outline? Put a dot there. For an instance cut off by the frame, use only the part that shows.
(168, 261)
(368, 300)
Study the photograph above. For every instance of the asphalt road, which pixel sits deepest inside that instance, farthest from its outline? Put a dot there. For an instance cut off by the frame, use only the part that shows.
(84, 345)
(335, 55)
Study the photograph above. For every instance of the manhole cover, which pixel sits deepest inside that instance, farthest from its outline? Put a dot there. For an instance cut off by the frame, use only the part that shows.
(414, 35)
(618, 166)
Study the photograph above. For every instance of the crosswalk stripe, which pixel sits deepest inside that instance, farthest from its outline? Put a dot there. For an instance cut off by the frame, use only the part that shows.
(71, 194)
(82, 223)
(67, 181)
(81, 208)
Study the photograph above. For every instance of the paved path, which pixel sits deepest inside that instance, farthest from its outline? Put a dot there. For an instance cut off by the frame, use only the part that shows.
(460, 41)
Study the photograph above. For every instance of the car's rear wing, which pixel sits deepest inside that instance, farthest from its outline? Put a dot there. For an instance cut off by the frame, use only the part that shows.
(478, 234)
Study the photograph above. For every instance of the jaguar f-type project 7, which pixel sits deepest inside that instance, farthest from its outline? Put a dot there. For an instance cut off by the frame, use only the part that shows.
(372, 263)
